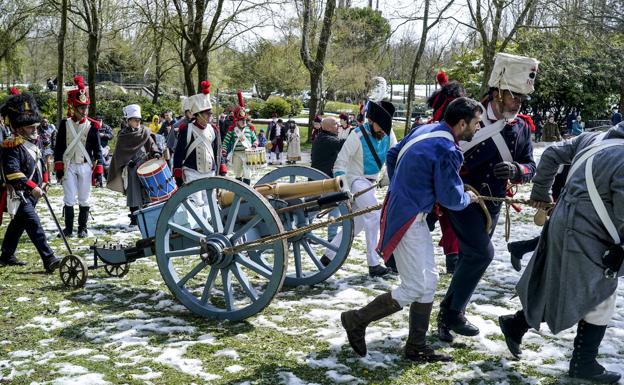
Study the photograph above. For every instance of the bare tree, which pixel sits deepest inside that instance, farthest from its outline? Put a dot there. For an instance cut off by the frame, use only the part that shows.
(426, 27)
(315, 65)
(61, 63)
(16, 20)
(204, 34)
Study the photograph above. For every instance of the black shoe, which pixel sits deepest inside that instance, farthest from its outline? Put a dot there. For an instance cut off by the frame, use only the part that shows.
(516, 263)
(12, 261)
(416, 347)
(51, 265)
(427, 354)
(457, 322)
(513, 333)
(518, 249)
(377, 271)
(444, 333)
(325, 260)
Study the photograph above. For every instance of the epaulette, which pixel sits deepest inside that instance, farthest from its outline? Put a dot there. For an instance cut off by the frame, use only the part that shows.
(12, 142)
(95, 123)
(528, 120)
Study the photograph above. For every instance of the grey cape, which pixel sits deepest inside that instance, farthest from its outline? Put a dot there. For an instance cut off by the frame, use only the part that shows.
(564, 279)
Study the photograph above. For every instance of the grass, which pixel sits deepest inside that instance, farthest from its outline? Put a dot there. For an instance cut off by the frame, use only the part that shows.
(138, 333)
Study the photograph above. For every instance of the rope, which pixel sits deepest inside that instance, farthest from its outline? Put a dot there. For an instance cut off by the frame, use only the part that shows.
(302, 230)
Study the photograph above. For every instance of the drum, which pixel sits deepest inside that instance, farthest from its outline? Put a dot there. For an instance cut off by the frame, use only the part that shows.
(255, 157)
(157, 180)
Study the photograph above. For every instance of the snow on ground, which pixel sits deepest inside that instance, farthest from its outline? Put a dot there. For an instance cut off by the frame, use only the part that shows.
(133, 330)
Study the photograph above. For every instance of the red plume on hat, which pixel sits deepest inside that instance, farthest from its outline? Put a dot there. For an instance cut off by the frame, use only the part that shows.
(205, 87)
(442, 79)
(241, 102)
(14, 91)
(79, 81)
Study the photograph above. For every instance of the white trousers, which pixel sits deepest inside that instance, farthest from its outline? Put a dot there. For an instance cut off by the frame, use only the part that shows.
(416, 265)
(368, 222)
(601, 314)
(239, 165)
(274, 158)
(77, 183)
(190, 175)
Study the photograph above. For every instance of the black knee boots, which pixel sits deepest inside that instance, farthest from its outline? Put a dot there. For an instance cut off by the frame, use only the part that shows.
(356, 321)
(83, 217)
(68, 214)
(451, 263)
(583, 363)
(133, 219)
(519, 248)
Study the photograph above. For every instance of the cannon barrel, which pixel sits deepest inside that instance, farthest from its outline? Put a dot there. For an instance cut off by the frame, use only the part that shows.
(291, 190)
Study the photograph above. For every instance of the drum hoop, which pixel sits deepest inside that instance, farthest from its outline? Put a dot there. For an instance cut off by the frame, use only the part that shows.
(161, 166)
(163, 197)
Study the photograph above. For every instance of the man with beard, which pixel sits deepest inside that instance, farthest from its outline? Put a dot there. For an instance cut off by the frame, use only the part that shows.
(423, 170)
(26, 178)
(572, 277)
(134, 146)
(77, 155)
(360, 162)
(500, 153)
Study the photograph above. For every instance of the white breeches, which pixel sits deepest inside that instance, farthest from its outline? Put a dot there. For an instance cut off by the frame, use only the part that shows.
(239, 165)
(416, 265)
(368, 222)
(77, 183)
(601, 314)
(190, 175)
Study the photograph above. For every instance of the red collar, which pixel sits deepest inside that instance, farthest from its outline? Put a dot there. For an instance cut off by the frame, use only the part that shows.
(73, 118)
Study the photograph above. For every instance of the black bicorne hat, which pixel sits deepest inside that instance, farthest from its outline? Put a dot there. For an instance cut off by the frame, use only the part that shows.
(21, 111)
(381, 113)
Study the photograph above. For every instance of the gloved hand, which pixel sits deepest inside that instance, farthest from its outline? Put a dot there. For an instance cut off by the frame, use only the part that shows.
(507, 170)
(59, 175)
(132, 163)
(179, 182)
(384, 180)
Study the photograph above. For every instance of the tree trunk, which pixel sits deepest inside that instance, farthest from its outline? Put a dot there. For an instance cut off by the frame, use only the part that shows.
(488, 65)
(202, 69)
(314, 101)
(414, 70)
(92, 70)
(188, 71)
(621, 103)
(61, 64)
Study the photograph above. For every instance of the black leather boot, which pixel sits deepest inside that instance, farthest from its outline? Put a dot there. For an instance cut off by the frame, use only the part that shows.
(451, 263)
(518, 249)
(51, 263)
(68, 213)
(355, 321)
(11, 261)
(452, 320)
(83, 217)
(416, 348)
(583, 363)
(514, 327)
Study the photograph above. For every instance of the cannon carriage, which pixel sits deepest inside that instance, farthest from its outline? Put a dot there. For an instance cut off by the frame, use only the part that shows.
(225, 249)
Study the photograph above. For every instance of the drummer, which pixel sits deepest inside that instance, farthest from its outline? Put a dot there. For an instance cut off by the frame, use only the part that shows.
(239, 138)
(135, 145)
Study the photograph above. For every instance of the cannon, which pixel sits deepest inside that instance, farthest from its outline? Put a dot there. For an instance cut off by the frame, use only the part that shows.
(223, 248)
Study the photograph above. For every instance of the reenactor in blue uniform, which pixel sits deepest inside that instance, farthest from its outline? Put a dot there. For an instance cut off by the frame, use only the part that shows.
(500, 153)
(26, 180)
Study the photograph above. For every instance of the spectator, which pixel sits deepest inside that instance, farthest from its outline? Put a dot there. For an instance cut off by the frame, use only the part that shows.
(616, 117)
(50, 84)
(316, 128)
(570, 118)
(167, 123)
(551, 130)
(47, 135)
(106, 134)
(261, 139)
(325, 150)
(344, 129)
(294, 143)
(578, 126)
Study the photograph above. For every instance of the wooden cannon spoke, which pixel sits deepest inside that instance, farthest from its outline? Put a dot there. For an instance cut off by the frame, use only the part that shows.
(242, 278)
(232, 215)
(188, 233)
(228, 292)
(322, 242)
(246, 227)
(253, 266)
(312, 254)
(297, 253)
(215, 211)
(209, 284)
(183, 252)
(201, 221)
(200, 266)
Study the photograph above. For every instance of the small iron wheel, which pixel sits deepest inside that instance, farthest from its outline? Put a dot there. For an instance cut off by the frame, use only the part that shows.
(117, 270)
(73, 272)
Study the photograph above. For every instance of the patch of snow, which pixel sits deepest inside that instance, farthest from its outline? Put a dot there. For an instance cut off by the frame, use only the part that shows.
(234, 369)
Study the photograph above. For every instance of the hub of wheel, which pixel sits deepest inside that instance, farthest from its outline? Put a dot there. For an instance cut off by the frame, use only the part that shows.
(211, 251)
